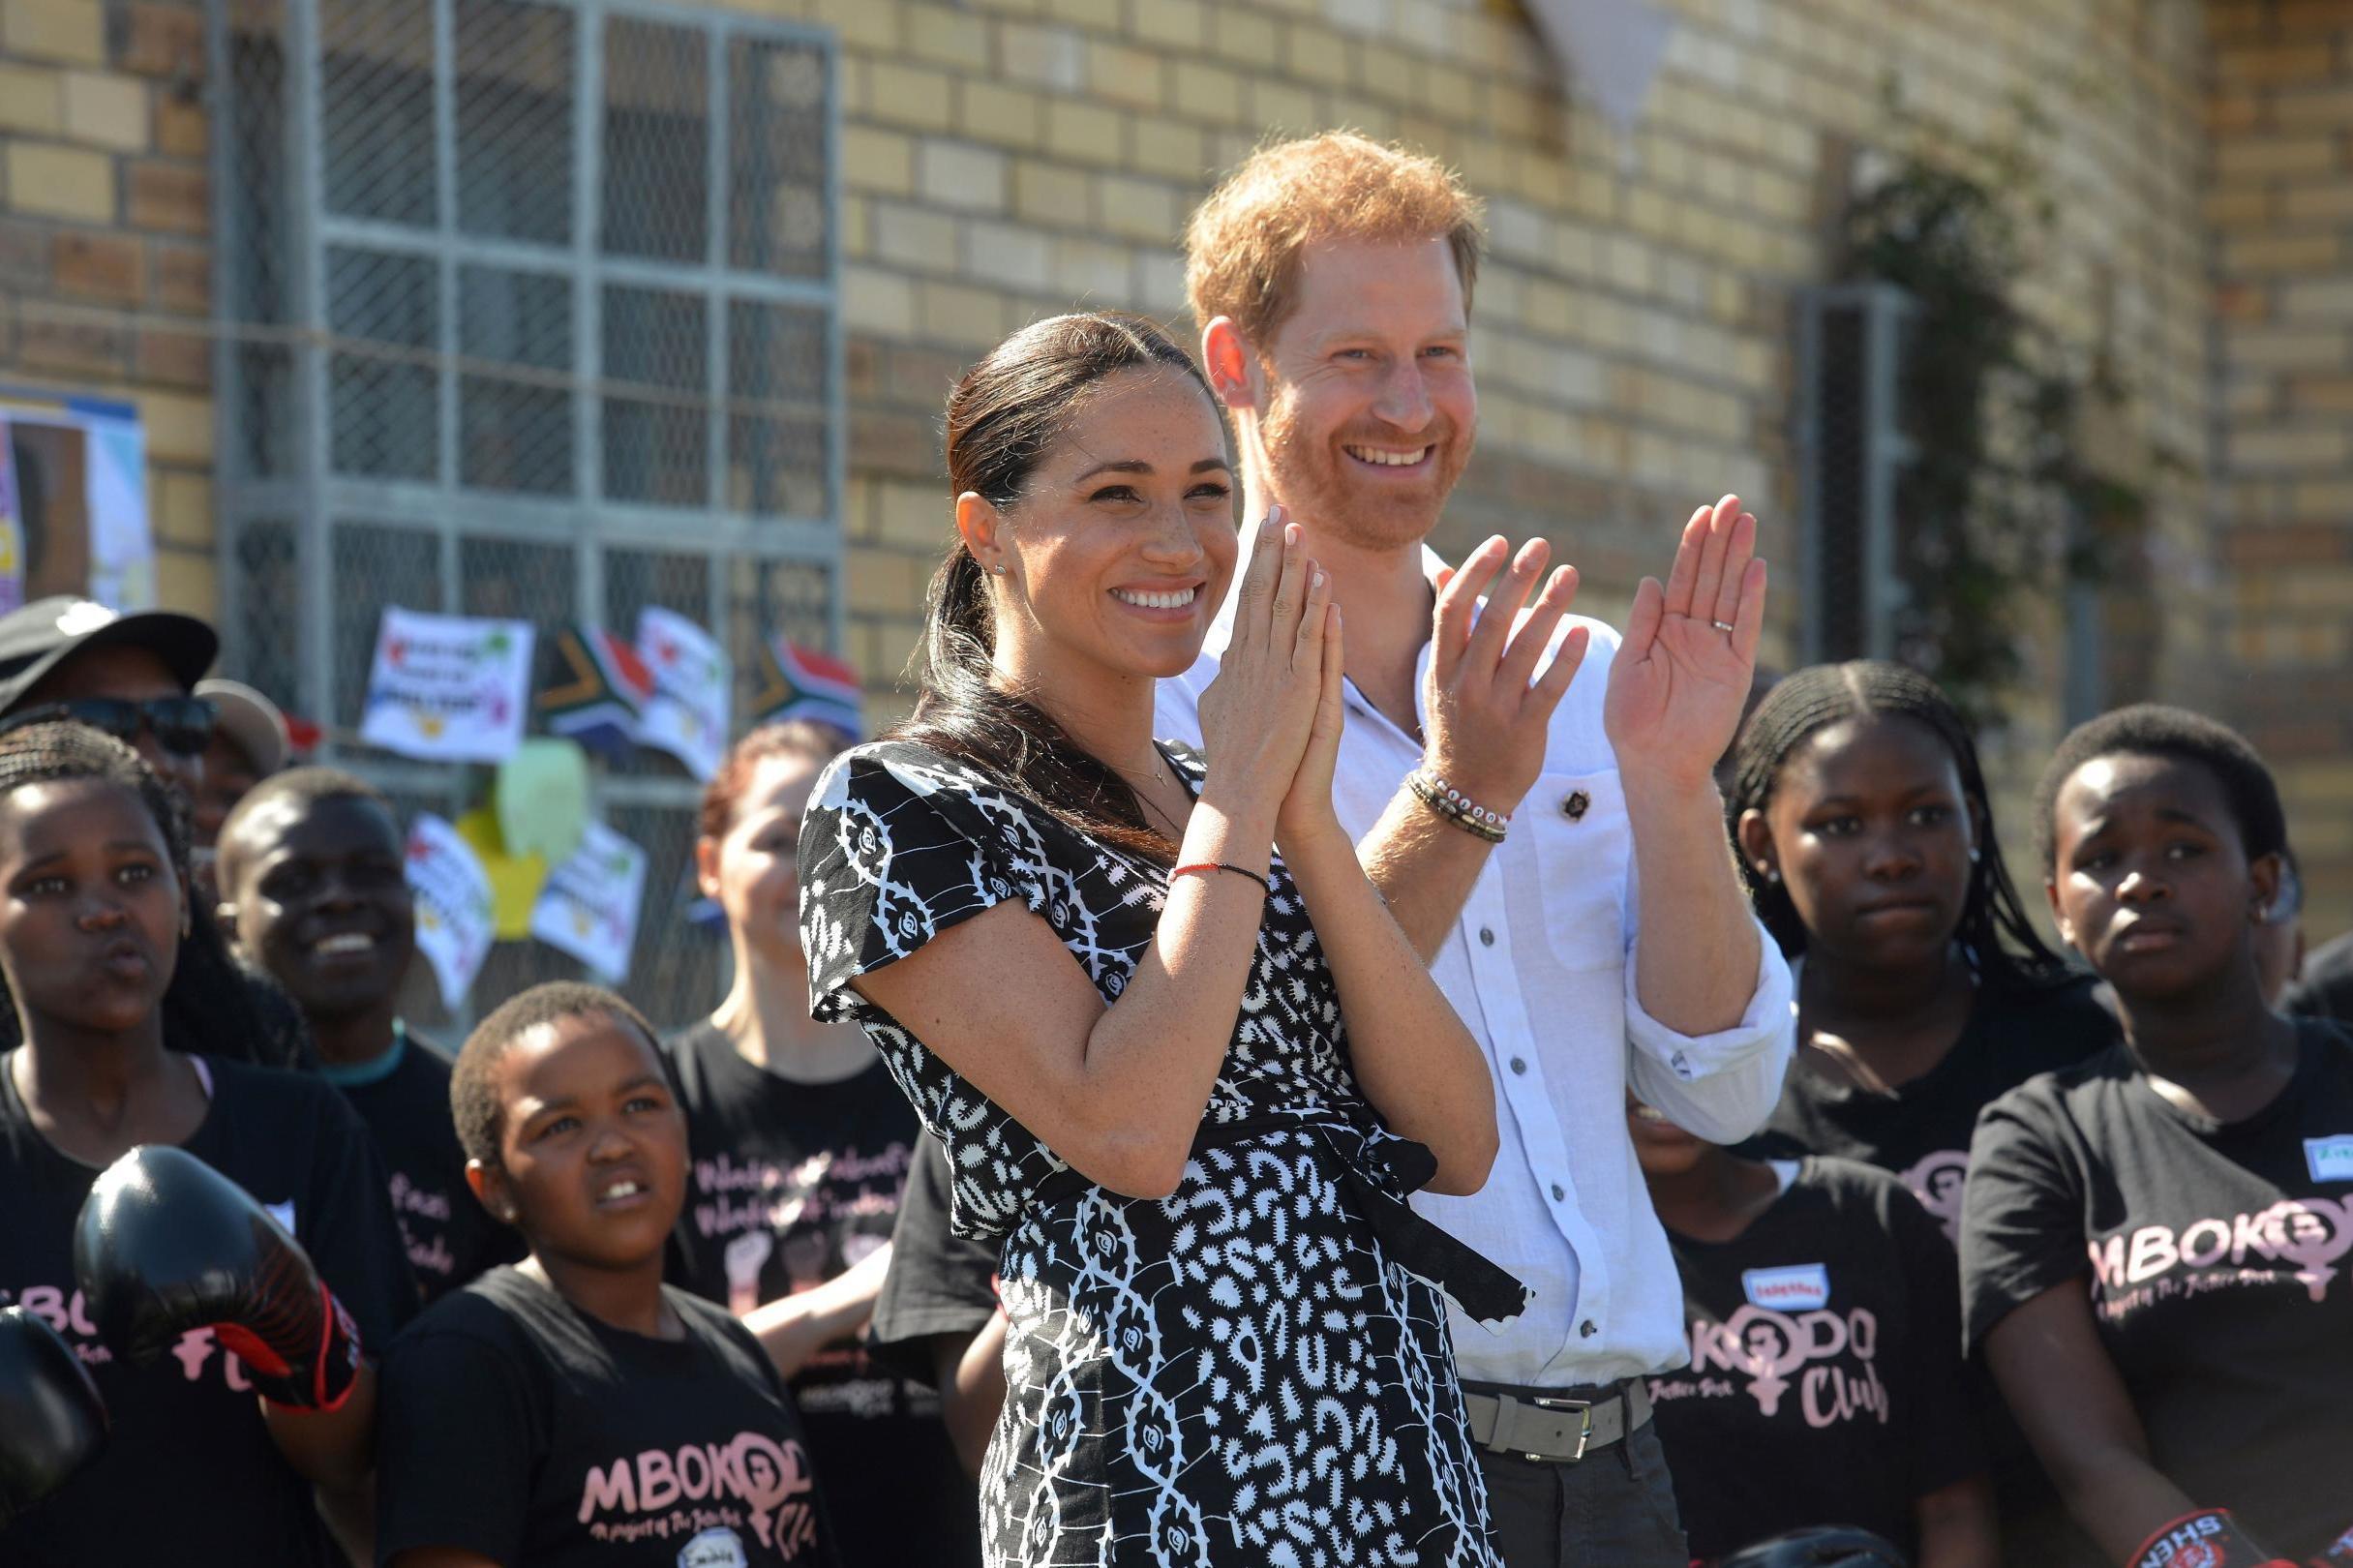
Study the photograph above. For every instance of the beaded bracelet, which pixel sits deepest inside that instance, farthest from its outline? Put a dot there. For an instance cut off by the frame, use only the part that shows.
(1457, 808)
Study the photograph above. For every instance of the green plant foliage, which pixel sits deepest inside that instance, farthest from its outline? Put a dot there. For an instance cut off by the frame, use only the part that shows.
(1999, 502)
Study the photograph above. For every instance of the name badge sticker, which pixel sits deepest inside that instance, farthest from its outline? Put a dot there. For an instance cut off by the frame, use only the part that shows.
(1796, 1287)
(2331, 1159)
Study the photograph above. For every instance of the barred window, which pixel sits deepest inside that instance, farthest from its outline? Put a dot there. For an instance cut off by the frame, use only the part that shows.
(529, 308)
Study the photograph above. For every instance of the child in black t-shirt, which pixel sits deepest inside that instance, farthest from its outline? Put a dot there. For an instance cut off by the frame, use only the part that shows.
(937, 1316)
(311, 880)
(573, 1410)
(1826, 1384)
(2153, 1241)
(1866, 835)
(195, 1470)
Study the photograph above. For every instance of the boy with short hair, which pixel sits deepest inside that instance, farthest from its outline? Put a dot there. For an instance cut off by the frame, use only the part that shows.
(312, 885)
(574, 1410)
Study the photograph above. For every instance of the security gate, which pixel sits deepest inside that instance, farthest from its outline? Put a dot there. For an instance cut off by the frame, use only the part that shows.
(526, 310)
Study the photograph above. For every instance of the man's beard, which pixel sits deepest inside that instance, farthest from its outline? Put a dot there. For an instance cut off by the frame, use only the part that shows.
(1311, 476)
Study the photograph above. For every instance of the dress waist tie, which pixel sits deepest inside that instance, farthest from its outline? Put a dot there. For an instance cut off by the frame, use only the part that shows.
(1477, 1283)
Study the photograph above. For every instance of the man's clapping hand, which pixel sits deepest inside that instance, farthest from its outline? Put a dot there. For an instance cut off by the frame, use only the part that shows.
(1488, 712)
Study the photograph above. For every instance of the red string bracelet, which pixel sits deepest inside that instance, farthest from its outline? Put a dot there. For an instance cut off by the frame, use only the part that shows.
(1214, 867)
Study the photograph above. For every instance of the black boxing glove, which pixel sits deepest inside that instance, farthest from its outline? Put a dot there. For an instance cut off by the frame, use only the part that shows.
(167, 1244)
(52, 1419)
(2205, 1539)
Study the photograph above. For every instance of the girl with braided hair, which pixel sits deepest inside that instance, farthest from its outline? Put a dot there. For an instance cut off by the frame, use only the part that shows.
(94, 918)
(1862, 825)
(1864, 828)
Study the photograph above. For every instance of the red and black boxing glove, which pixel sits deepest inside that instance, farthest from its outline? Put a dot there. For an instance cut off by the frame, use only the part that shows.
(52, 1419)
(167, 1244)
(2205, 1539)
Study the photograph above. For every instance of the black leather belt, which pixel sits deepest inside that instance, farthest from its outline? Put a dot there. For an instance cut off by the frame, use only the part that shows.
(1478, 1286)
(1554, 1426)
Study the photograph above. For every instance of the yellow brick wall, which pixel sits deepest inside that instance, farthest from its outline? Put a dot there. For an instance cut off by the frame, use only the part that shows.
(1633, 328)
(2281, 199)
(1005, 158)
(105, 261)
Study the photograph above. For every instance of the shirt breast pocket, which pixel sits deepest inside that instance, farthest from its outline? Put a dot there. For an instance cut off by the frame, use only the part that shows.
(1583, 848)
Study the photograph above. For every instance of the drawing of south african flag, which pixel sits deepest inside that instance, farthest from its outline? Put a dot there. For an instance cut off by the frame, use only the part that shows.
(798, 683)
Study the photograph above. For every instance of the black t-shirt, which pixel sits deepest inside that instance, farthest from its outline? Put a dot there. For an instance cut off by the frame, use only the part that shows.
(516, 1426)
(189, 1474)
(940, 1283)
(2324, 988)
(791, 1183)
(1826, 1382)
(2214, 1258)
(404, 1101)
(1922, 1131)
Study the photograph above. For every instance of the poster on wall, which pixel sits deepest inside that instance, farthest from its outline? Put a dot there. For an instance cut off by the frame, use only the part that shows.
(448, 688)
(74, 509)
(11, 531)
(590, 905)
(692, 675)
(454, 919)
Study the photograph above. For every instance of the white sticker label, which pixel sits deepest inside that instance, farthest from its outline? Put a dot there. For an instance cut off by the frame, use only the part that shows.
(716, 1548)
(1796, 1288)
(2331, 1159)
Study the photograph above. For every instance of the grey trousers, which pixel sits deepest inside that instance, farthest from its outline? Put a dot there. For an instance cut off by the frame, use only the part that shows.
(1612, 1509)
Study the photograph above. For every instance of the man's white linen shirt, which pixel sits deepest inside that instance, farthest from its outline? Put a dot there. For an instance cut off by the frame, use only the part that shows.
(1540, 965)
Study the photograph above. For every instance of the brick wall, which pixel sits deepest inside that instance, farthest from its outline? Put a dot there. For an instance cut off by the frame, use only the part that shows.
(105, 265)
(1005, 158)
(1010, 158)
(2281, 203)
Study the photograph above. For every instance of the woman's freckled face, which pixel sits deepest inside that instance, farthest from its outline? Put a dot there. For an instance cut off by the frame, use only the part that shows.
(1122, 544)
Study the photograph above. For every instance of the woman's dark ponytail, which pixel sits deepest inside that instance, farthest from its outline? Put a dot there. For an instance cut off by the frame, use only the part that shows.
(1003, 417)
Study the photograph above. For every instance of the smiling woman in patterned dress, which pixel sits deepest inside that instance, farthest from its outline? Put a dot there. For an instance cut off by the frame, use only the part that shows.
(1186, 1081)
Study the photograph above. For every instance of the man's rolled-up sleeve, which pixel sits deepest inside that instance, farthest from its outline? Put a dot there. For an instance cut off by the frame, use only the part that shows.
(1718, 1086)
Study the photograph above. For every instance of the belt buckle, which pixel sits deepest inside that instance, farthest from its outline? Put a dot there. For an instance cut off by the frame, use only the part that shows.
(1584, 1424)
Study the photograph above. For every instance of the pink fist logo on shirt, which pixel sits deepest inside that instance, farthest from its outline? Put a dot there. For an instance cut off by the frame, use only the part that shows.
(1829, 1357)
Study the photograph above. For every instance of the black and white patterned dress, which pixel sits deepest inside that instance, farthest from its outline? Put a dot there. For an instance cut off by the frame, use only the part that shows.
(1243, 1374)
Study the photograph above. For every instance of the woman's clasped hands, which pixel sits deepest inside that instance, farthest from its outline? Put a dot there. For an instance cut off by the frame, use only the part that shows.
(1271, 720)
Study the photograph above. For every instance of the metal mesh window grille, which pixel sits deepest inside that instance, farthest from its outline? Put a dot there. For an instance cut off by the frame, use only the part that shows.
(527, 308)
(1851, 450)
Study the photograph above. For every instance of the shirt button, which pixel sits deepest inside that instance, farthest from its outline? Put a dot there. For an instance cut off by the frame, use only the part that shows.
(1560, 1191)
(1487, 936)
(1519, 1064)
(1576, 805)
(1586, 1329)
(1681, 1065)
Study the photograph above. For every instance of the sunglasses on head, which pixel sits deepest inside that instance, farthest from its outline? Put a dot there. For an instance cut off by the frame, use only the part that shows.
(181, 725)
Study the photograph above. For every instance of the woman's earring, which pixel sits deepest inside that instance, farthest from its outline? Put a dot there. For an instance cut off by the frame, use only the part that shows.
(1976, 854)
(1772, 876)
